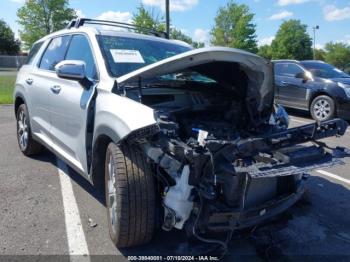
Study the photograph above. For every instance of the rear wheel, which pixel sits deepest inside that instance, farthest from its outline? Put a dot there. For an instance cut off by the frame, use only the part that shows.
(322, 108)
(130, 196)
(26, 143)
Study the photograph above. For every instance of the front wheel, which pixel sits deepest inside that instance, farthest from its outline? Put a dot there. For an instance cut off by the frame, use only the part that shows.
(26, 143)
(322, 108)
(130, 196)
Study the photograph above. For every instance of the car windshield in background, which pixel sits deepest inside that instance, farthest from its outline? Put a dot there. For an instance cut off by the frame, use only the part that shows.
(187, 76)
(125, 55)
(325, 70)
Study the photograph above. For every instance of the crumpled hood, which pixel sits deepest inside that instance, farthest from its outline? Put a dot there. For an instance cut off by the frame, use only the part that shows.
(260, 92)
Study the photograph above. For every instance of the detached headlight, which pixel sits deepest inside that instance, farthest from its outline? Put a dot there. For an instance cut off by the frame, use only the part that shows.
(346, 88)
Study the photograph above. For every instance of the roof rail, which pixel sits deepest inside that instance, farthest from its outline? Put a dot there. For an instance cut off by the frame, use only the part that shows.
(81, 21)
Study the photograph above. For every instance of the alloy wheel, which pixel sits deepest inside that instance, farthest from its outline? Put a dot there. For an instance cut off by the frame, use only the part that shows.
(322, 109)
(22, 130)
(112, 193)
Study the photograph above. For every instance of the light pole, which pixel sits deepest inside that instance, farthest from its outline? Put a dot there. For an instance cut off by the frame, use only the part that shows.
(314, 29)
(167, 18)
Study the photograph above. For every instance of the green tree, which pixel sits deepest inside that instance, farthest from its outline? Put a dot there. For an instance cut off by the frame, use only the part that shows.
(320, 54)
(198, 44)
(8, 44)
(41, 17)
(292, 41)
(234, 27)
(179, 35)
(144, 18)
(338, 54)
(265, 51)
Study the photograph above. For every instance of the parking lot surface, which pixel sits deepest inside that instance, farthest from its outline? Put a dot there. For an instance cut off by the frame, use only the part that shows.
(47, 209)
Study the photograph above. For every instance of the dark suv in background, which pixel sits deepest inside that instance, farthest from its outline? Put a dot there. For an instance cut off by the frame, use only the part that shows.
(315, 86)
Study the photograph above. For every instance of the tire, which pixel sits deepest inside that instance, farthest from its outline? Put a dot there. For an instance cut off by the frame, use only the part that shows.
(130, 196)
(322, 108)
(27, 144)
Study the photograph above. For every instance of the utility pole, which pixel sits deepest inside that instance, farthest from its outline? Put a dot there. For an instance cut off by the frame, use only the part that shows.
(314, 29)
(167, 17)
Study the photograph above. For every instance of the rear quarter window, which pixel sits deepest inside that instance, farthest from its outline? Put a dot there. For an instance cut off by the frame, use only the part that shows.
(33, 52)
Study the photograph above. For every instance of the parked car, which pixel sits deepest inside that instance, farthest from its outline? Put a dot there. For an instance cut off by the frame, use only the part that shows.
(171, 134)
(323, 91)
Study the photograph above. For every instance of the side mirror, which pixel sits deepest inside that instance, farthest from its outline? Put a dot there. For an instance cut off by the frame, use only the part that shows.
(71, 69)
(306, 76)
(300, 75)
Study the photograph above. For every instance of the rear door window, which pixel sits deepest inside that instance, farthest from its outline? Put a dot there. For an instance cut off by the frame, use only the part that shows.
(54, 53)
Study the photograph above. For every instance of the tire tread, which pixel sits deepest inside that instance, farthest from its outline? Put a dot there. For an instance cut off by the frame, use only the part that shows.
(136, 191)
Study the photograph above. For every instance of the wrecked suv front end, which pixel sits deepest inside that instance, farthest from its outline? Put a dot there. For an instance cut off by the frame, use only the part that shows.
(225, 185)
(221, 157)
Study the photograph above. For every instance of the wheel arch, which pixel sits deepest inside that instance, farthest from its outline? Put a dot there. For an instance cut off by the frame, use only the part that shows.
(103, 137)
(19, 100)
(321, 93)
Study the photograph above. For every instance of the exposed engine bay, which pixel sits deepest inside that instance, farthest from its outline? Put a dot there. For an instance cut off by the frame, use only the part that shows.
(219, 170)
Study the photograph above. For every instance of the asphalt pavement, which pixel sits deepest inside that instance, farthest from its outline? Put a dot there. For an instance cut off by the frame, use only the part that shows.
(47, 209)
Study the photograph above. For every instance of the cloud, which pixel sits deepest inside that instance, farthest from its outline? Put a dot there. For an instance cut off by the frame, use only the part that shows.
(345, 40)
(319, 46)
(281, 15)
(175, 5)
(79, 13)
(124, 17)
(18, 1)
(266, 41)
(291, 2)
(201, 35)
(332, 13)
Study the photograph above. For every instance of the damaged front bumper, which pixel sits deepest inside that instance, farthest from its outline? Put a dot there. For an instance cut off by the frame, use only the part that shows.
(228, 185)
(253, 216)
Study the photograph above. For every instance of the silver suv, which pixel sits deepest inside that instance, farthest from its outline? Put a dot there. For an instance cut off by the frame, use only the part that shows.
(174, 137)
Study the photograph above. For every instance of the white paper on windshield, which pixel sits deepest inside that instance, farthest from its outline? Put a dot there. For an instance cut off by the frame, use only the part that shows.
(127, 56)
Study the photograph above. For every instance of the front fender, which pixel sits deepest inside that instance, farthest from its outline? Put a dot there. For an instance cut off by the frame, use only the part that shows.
(117, 116)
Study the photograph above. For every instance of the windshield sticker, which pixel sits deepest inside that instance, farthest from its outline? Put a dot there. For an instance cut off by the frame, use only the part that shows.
(127, 56)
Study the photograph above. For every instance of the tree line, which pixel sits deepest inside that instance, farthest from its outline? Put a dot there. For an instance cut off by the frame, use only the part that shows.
(233, 27)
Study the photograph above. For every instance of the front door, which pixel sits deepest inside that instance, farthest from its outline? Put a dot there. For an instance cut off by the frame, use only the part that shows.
(291, 91)
(69, 106)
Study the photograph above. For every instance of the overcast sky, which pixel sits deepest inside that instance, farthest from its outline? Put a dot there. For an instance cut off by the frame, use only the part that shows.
(196, 17)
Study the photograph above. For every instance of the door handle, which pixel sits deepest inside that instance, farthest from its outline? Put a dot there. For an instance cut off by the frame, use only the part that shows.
(29, 81)
(56, 89)
(284, 83)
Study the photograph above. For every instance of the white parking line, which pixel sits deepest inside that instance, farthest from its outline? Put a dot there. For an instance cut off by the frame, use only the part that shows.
(78, 249)
(328, 174)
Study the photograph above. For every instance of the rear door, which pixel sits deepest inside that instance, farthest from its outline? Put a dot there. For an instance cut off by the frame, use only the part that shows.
(69, 106)
(290, 91)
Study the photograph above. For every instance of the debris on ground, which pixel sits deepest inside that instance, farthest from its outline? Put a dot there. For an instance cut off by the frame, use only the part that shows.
(92, 223)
